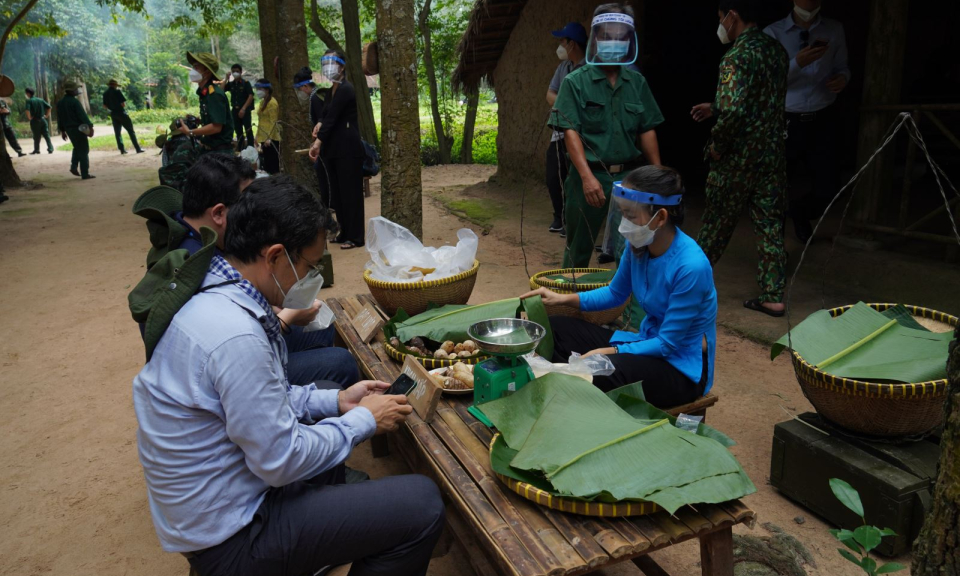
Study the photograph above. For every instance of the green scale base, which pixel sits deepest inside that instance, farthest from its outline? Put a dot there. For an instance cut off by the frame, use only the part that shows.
(894, 480)
(496, 378)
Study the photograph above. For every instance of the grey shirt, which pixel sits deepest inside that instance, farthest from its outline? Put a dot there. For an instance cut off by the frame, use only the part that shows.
(563, 69)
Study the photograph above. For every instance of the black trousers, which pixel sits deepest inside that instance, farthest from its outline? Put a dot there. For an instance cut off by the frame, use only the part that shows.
(341, 181)
(663, 385)
(12, 138)
(812, 157)
(557, 167)
(123, 122)
(241, 125)
(385, 527)
(270, 155)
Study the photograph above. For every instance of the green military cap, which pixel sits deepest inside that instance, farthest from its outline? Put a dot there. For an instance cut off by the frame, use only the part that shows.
(207, 60)
(70, 85)
(168, 286)
(112, 82)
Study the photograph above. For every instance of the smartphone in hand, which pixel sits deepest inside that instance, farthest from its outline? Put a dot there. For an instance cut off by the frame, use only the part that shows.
(820, 43)
(402, 385)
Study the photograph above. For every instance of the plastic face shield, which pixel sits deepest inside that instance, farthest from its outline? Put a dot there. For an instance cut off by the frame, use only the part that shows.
(613, 40)
(631, 202)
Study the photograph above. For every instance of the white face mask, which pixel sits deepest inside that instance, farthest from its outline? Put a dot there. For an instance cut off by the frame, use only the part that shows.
(638, 236)
(806, 15)
(722, 33)
(302, 295)
(561, 53)
(236, 75)
(331, 71)
(261, 94)
(303, 96)
(195, 76)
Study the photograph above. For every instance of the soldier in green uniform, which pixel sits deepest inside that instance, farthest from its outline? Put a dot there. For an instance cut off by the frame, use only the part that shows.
(216, 123)
(747, 149)
(73, 123)
(241, 100)
(8, 131)
(38, 113)
(605, 110)
(116, 103)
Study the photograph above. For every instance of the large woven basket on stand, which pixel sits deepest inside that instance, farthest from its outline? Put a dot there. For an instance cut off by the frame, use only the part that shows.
(599, 317)
(414, 297)
(875, 409)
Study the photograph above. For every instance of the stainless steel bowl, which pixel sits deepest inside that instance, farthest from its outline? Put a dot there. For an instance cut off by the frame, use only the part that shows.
(506, 335)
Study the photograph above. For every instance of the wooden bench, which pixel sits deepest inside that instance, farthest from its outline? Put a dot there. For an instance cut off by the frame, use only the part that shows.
(503, 533)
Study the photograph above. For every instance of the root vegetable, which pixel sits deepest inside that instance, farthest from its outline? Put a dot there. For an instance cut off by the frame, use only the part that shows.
(447, 346)
(469, 345)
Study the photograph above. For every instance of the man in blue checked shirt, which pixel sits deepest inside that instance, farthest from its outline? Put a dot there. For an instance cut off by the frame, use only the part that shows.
(818, 73)
(245, 472)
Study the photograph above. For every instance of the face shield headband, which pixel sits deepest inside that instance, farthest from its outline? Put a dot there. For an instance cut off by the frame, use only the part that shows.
(264, 85)
(647, 198)
(302, 84)
(609, 48)
(332, 58)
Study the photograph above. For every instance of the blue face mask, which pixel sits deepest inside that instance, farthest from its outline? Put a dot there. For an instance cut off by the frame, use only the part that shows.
(612, 50)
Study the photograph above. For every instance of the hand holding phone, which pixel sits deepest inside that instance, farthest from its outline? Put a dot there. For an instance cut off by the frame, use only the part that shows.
(820, 43)
(402, 385)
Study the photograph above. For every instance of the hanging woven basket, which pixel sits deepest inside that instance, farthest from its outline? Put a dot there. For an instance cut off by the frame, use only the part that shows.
(871, 408)
(598, 317)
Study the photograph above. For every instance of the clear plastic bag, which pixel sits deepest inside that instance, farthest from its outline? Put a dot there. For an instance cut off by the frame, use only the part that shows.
(689, 423)
(396, 255)
(596, 365)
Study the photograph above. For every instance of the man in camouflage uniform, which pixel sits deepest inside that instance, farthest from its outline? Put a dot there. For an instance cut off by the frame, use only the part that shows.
(116, 103)
(38, 113)
(747, 149)
(73, 123)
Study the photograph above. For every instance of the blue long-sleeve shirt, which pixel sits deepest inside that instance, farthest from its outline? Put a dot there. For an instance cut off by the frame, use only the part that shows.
(807, 87)
(676, 291)
(219, 424)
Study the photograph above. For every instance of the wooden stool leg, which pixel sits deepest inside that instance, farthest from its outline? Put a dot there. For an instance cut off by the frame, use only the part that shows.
(716, 553)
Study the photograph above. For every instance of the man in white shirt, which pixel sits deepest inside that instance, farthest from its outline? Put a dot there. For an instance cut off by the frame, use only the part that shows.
(818, 73)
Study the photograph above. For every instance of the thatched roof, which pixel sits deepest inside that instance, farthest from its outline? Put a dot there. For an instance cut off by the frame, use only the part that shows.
(491, 24)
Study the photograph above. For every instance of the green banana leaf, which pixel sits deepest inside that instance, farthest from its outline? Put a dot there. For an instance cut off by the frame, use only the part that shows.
(577, 442)
(451, 322)
(588, 278)
(869, 345)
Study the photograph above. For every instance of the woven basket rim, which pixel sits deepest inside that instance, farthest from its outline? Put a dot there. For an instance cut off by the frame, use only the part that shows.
(553, 284)
(903, 389)
(420, 284)
(617, 509)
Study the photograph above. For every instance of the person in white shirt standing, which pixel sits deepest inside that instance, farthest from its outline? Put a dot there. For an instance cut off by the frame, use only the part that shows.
(818, 73)
(571, 52)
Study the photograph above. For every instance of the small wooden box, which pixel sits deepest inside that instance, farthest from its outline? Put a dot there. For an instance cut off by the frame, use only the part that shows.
(894, 481)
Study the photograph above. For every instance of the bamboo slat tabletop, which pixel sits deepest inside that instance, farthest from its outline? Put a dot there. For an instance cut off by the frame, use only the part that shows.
(516, 536)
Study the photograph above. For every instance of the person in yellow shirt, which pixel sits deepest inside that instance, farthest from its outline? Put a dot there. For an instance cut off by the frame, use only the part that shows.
(268, 127)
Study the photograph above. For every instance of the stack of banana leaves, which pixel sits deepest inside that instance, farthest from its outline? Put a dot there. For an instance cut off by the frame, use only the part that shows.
(864, 344)
(568, 438)
(451, 322)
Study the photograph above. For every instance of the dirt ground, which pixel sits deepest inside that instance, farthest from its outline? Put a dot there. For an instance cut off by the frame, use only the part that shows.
(74, 500)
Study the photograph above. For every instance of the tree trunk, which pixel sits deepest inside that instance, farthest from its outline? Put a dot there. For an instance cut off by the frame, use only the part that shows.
(401, 190)
(937, 549)
(443, 143)
(351, 32)
(267, 14)
(291, 42)
(8, 175)
(469, 123)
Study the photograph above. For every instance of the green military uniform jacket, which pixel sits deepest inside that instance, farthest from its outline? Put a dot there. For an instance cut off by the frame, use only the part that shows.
(608, 118)
(37, 107)
(215, 110)
(70, 114)
(5, 118)
(750, 100)
(113, 100)
(239, 91)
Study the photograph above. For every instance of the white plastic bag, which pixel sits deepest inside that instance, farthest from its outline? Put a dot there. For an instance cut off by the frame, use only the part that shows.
(586, 368)
(250, 155)
(396, 255)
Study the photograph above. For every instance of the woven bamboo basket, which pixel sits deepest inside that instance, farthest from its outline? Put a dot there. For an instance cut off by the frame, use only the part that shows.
(414, 297)
(618, 509)
(876, 409)
(598, 317)
(431, 363)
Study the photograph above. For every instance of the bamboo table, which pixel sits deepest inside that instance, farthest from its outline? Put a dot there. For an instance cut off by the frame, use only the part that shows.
(503, 533)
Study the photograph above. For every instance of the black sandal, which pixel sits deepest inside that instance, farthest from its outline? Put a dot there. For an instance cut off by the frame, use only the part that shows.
(756, 305)
(348, 245)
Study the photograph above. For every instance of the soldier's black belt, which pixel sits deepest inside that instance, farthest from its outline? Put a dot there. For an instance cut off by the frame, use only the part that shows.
(614, 168)
(802, 116)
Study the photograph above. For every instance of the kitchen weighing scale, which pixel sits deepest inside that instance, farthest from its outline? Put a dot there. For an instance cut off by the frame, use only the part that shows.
(506, 340)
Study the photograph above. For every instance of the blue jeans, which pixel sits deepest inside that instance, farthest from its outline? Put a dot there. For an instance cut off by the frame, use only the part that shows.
(385, 527)
(312, 358)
